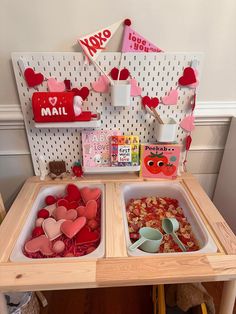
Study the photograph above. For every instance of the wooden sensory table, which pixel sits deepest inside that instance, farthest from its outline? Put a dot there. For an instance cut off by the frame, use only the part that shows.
(117, 268)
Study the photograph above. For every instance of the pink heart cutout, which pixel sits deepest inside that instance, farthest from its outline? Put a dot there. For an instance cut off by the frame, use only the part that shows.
(187, 123)
(52, 100)
(61, 212)
(135, 89)
(52, 228)
(55, 86)
(101, 85)
(171, 98)
(88, 194)
(89, 211)
(40, 244)
(71, 228)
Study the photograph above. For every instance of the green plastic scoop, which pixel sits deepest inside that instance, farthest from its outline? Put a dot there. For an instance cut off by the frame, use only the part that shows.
(170, 226)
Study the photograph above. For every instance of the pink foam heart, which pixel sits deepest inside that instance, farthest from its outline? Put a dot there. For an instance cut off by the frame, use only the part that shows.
(88, 194)
(52, 228)
(50, 208)
(89, 211)
(55, 86)
(40, 244)
(135, 89)
(71, 228)
(171, 98)
(101, 85)
(187, 123)
(61, 212)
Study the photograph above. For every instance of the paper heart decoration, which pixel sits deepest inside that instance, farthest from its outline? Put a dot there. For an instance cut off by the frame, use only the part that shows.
(32, 78)
(61, 212)
(52, 100)
(55, 86)
(52, 228)
(101, 85)
(89, 211)
(77, 104)
(88, 194)
(86, 236)
(68, 205)
(135, 89)
(171, 98)
(124, 74)
(40, 244)
(194, 85)
(71, 228)
(188, 77)
(150, 102)
(187, 123)
(83, 92)
(73, 192)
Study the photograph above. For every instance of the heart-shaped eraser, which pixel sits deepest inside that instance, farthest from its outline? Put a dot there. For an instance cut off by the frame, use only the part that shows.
(86, 236)
(150, 102)
(32, 78)
(62, 213)
(188, 77)
(171, 98)
(52, 228)
(88, 194)
(187, 123)
(71, 228)
(135, 89)
(89, 211)
(124, 74)
(83, 92)
(55, 86)
(73, 193)
(40, 244)
(101, 85)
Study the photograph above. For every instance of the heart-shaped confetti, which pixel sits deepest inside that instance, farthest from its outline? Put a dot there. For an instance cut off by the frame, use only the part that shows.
(40, 244)
(86, 236)
(71, 228)
(124, 74)
(61, 212)
(83, 92)
(171, 98)
(135, 89)
(150, 102)
(88, 194)
(32, 78)
(89, 211)
(55, 86)
(188, 77)
(101, 85)
(52, 228)
(187, 123)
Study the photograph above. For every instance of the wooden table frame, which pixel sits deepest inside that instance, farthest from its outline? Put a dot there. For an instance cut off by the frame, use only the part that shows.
(116, 268)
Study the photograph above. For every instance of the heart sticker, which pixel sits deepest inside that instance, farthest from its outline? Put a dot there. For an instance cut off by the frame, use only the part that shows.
(52, 228)
(71, 228)
(171, 98)
(86, 236)
(187, 123)
(150, 102)
(124, 74)
(40, 244)
(32, 78)
(101, 85)
(55, 86)
(188, 77)
(83, 92)
(61, 212)
(52, 100)
(89, 211)
(135, 89)
(88, 194)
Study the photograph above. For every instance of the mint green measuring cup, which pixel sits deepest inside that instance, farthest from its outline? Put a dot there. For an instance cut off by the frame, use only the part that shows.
(149, 241)
(170, 226)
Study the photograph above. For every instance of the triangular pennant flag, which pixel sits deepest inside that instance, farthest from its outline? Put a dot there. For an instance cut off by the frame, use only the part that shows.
(134, 42)
(94, 43)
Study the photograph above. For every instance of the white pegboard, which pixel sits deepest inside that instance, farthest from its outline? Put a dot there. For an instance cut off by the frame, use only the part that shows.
(155, 73)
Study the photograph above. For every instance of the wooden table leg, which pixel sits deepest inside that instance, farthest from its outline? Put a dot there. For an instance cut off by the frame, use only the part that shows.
(228, 297)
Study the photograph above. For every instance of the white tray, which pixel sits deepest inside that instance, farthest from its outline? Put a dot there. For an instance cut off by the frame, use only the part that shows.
(17, 254)
(111, 169)
(173, 190)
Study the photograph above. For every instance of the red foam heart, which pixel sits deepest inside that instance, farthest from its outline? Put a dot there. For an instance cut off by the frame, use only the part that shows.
(124, 74)
(62, 213)
(89, 211)
(86, 236)
(40, 244)
(150, 102)
(73, 193)
(67, 204)
(188, 77)
(88, 194)
(83, 92)
(71, 228)
(32, 78)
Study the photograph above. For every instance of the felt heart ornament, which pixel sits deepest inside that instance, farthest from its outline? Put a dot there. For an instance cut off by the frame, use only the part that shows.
(83, 92)
(88, 194)
(89, 211)
(73, 192)
(32, 78)
(195, 85)
(124, 74)
(68, 205)
(50, 208)
(86, 236)
(55, 86)
(101, 85)
(171, 98)
(187, 123)
(135, 89)
(188, 77)
(71, 228)
(52, 228)
(150, 102)
(61, 212)
(52, 100)
(40, 244)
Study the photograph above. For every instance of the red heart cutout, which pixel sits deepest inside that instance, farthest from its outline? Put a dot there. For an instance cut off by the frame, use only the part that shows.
(150, 102)
(86, 236)
(32, 78)
(89, 211)
(88, 194)
(40, 244)
(68, 205)
(61, 212)
(71, 228)
(124, 74)
(73, 193)
(188, 77)
(83, 92)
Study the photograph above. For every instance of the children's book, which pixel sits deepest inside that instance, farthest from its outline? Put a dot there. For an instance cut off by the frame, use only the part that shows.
(159, 160)
(96, 147)
(124, 150)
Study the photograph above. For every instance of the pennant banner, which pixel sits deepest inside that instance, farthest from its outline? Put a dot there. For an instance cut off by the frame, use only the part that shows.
(94, 43)
(134, 42)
